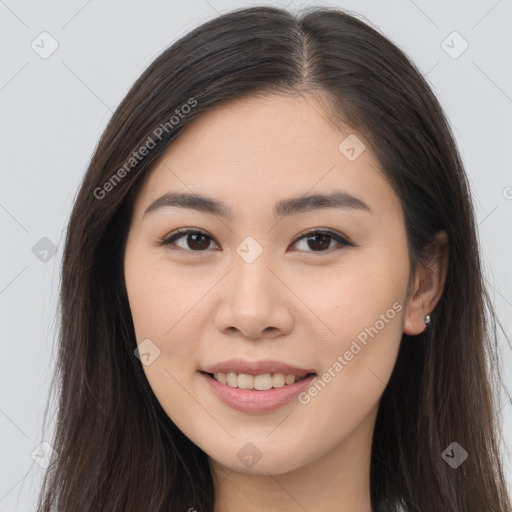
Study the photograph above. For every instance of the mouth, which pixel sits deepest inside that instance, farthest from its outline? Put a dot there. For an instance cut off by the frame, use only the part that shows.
(261, 382)
(256, 394)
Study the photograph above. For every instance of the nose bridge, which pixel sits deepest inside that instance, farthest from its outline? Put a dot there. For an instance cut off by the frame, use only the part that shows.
(252, 276)
(253, 301)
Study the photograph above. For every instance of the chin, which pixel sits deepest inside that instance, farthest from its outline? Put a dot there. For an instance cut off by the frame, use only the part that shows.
(259, 459)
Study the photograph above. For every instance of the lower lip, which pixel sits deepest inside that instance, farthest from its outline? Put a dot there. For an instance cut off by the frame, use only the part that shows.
(256, 401)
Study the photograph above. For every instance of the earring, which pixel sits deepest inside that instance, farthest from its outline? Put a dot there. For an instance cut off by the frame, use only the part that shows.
(426, 319)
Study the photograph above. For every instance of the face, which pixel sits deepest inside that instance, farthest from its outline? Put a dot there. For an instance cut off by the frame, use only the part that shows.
(316, 287)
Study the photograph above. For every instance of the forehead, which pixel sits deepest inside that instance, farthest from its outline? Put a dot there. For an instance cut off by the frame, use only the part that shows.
(257, 150)
(264, 128)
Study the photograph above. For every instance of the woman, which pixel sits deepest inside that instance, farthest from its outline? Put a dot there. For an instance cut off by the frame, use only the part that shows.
(272, 296)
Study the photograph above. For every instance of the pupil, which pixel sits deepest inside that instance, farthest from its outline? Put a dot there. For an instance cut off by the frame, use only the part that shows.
(323, 245)
(191, 245)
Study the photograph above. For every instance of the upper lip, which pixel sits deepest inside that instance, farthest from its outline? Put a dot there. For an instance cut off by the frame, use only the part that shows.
(256, 368)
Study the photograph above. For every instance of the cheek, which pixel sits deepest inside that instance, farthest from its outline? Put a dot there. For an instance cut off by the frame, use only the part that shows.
(363, 308)
(367, 291)
(160, 297)
(163, 305)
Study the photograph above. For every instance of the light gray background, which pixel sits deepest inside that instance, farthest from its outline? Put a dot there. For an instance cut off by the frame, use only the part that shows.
(53, 111)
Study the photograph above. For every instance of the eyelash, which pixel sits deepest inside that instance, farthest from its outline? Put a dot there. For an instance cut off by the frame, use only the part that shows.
(180, 233)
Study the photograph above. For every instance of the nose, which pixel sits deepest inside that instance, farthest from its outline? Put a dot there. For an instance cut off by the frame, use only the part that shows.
(254, 301)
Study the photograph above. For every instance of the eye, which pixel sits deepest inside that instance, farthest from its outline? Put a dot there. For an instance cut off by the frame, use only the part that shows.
(320, 241)
(195, 239)
(198, 241)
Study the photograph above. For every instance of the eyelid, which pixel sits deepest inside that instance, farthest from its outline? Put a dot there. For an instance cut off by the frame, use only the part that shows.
(324, 231)
(341, 239)
(184, 231)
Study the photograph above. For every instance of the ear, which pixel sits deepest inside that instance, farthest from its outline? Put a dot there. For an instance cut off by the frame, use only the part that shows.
(427, 286)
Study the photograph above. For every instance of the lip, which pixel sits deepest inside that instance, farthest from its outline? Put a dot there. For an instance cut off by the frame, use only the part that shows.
(256, 401)
(256, 368)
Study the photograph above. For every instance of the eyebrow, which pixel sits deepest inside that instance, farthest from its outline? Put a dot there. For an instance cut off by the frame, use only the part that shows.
(286, 207)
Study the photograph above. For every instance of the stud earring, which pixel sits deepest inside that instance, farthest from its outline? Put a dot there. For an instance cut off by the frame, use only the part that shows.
(427, 319)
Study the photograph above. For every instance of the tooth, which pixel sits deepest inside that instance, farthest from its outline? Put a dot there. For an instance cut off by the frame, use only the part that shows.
(263, 382)
(278, 380)
(232, 379)
(221, 377)
(289, 379)
(245, 381)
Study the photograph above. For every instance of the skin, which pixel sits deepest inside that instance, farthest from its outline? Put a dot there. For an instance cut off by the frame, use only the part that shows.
(292, 304)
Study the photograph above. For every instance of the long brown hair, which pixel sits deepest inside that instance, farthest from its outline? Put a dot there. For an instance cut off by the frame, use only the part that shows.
(116, 449)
